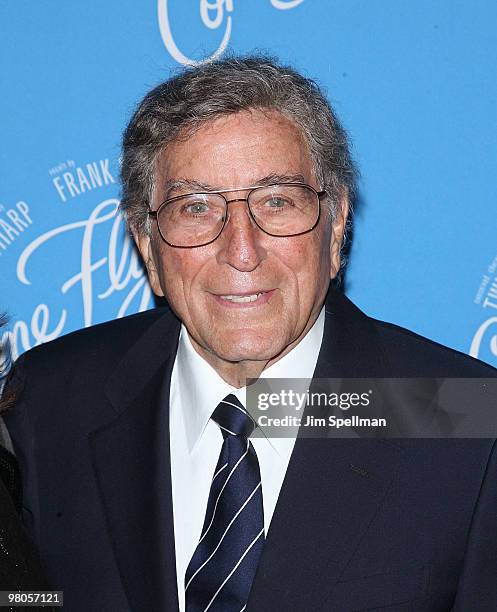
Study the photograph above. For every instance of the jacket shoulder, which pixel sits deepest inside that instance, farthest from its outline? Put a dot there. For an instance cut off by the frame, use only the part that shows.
(427, 356)
(72, 370)
(96, 344)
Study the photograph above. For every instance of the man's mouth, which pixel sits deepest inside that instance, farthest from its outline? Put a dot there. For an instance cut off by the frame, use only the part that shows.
(241, 299)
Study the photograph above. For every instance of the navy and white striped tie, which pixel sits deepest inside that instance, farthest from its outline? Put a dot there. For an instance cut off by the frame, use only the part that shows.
(222, 569)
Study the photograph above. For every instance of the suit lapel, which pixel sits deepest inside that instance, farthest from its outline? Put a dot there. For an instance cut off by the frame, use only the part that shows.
(350, 347)
(332, 488)
(131, 460)
(332, 491)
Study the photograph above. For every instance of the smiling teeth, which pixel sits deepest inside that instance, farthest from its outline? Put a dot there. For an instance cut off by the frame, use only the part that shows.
(240, 299)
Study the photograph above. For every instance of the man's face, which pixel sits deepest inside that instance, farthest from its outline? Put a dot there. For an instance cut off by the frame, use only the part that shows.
(290, 274)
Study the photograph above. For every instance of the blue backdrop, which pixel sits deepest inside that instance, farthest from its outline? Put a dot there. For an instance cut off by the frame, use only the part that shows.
(413, 81)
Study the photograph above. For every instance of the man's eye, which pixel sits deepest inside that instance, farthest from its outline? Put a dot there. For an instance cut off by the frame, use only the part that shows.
(277, 202)
(196, 209)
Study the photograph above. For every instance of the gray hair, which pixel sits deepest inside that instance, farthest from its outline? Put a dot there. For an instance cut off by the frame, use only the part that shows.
(202, 93)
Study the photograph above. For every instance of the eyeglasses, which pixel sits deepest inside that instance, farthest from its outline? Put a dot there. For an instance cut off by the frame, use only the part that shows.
(197, 219)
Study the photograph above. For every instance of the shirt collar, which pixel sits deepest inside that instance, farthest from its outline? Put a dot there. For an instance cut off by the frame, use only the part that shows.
(201, 388)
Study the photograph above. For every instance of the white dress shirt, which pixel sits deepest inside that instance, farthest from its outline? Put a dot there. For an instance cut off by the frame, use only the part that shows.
(196, 390)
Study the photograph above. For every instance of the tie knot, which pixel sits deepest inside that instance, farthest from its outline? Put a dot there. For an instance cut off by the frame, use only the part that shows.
(232, 418)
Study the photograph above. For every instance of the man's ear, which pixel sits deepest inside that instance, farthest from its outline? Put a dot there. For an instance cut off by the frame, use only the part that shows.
(338, 231)
(144, 244)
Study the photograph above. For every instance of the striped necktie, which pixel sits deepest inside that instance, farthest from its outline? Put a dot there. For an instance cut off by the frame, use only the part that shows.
(222, 569)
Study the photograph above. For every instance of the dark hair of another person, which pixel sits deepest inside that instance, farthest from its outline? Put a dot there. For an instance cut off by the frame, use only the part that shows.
(7, 397)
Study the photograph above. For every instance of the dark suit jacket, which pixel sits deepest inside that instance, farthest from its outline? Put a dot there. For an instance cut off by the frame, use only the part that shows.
(360, 524)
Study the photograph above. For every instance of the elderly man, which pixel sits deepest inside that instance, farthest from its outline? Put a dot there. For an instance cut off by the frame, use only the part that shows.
(144, 489)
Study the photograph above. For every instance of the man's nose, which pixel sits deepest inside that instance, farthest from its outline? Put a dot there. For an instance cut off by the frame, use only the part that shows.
(240, 244)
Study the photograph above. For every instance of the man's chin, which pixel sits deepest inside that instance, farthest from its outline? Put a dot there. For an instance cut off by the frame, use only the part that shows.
(236, 354)
(241, 350)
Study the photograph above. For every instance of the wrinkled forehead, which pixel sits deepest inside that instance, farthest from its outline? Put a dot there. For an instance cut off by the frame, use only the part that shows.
(237, 150)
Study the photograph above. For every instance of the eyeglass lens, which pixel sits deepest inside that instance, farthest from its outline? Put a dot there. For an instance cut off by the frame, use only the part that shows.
(198, 218)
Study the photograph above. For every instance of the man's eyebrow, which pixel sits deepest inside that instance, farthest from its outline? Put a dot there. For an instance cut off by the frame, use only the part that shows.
(187, 185)
(271, 179)
(192, 185)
